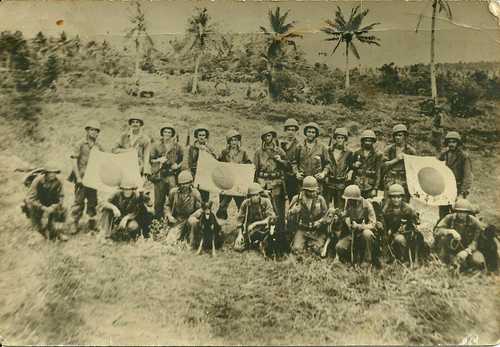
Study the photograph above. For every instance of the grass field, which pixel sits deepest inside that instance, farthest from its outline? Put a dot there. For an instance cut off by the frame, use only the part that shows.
(83, 292)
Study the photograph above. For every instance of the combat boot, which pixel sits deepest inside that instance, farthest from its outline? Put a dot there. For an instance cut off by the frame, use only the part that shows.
(92, 224)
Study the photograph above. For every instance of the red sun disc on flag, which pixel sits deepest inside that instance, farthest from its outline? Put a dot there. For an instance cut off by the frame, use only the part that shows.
(431, 181)
(223, 179)
(110, 174)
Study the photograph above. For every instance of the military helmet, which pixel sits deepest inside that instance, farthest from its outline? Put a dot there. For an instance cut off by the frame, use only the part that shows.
(138, 117)
(232, 133)
(310, 183)
(341, 132)
(199, 128)
(463, 205)
(185, 177)
(254, 188)
(52, 166)
(399, 128)
(291, 122)
(313, 125)
(128, 184)
(352, 192)
(396, 189)
(94, 124)
(453, 135)
(368, 134)
(167, 126)
(266, 130)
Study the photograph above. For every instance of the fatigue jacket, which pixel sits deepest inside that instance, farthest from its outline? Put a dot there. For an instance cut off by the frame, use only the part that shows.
(394, 214)
(291, 153)
(265, 165)
(239, 156)
(81, 152)
(338, 170)
(133, 205)
(174, 154)
(312, 160)
(143, 145)
(43, 192)
(459, 162)
(390, 154)
(182, 205)
(193, 154)
(253, 212)
(368, 176)
(469, 230)
(308, 215)
(363, 214)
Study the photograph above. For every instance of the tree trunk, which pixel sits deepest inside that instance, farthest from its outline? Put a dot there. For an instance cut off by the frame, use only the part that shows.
(137, 59)
(433, 39)
(269, 78)
(194, 87)
(347, 81)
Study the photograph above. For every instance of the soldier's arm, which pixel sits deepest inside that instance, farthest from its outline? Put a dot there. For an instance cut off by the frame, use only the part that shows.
(222, 156)
(324, 210)
(180, 155)
(372, 218)
(169, 204)
(326, 161)
(197, 198)
(467, 180)
(443, 228)
(147, 155)
(476, 225)
(242, 213)
(378, 170)
(246, 158)
(60, 193)
(74, 162)
(32, 195)
(118, 147)
(387, 161)
(190, 160)
(268, 210)
(110, 203)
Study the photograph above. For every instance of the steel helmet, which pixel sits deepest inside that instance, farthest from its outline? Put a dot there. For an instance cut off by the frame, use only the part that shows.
(291, 122)
(167, 126)
(453, 135)
(139, 118)
(128, 184)
(341, 132)
(310, 183)
(52, 166)
(463, 205)
(199, 128)
(254, 188)
(185, 177)
(233, 133)
(94, 124)
(399, 128)
(312, 125)
(266, 130)
(352, 192)
(396, 189)
(368, 134)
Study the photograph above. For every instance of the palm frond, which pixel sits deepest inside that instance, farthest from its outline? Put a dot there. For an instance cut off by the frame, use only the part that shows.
(354, 50)
(421, 15)
(336, 46)
(444, 6)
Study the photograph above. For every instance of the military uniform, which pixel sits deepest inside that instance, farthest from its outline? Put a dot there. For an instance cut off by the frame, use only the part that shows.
(337, 179)
(181, 205)
(251, 212)
(396, 174)
(291, 153)
(368, 176)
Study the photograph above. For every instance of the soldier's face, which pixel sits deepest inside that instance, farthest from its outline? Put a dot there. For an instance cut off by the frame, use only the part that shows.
(254, 198)
(461, 216)
(399, 138)
(268, 138)
(167, 134)
(310, 193)
(127, 193)
(310, 134)
(93, 133)
(367, 143)
(135, 124)
(184, 187)
(340, 140)
(234, 142)
(290, 132)
(452, 144)
(202, 136)
(50, 176)
(396, 200)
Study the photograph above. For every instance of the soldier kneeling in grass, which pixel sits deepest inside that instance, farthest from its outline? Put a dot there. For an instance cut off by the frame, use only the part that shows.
(44, 203)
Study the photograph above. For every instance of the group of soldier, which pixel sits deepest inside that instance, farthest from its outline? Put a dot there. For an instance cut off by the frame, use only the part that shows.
(333, 207)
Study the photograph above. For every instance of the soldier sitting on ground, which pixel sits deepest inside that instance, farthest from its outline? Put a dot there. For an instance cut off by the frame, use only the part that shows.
(44, 204)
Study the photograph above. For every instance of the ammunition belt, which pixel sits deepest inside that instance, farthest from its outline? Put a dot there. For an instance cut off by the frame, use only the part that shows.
(269, 175)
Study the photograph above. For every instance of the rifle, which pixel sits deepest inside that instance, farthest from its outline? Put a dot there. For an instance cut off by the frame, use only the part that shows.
(188, 137)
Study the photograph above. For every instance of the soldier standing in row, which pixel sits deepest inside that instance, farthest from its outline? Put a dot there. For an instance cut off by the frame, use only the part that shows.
(367, 165)
(80, 156)
(231, 154)
(290, 146)
(166, 158)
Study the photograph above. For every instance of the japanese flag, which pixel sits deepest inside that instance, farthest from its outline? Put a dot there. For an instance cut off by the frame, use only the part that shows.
(430, 180)
(219, 177)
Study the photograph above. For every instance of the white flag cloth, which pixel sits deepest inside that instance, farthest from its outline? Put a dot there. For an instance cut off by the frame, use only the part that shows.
(105, 171)
(430, 180)
(220, 177)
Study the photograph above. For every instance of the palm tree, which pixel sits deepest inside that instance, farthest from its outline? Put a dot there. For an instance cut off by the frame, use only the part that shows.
(341, 30)
(438, 6)
(279, 37)
(139, 34)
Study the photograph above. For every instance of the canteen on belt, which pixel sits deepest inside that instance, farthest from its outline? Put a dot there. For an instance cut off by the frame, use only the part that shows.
(431, 181)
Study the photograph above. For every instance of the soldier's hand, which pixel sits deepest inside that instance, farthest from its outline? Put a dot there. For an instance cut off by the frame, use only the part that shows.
(172, 219)
(299, 175)
(373, 193)
(456, 236)
(399, 156)
(319, 176)
(116, 212)
(175, 166)
(357, 164)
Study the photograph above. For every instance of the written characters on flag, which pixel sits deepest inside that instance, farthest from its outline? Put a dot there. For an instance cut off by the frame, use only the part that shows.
(430, 180)
(220, 177)
(106, 171)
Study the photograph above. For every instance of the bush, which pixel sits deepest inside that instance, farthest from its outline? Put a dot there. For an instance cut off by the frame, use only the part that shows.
(351, 99)
(285, 87)
(463, 99)
(389, 78)
(324, 91)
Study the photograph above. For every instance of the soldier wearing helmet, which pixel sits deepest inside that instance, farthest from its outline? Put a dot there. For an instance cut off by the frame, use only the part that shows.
(394, 167)
(340, 169)
(44, 203)
(255, 216)
(233, 153)
(312, 156)
(125, 214)
(459, 162)
(166, 159)
(201, 135)
(135, 138)
(307, 217)
(360, 220)
(290, 145)
(270, 165)
(80, 157)
(367, 165)
(456, 237)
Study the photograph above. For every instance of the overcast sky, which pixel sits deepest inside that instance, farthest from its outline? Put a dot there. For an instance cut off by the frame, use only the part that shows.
(476, 36)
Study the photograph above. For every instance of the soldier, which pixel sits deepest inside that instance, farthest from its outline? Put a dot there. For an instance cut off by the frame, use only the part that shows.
(44, 204)
(183, 200)
(456, 237)
(80, 156)
(135, 138)
(339, 172)
(166, 158)
(394, 167)
(312, 157)
(290, 146)
(231, 154)
(270, 164)
(359, 216)
(125, 214)
(459, 162)
(201, 135)
(367, 165)
(308, 216)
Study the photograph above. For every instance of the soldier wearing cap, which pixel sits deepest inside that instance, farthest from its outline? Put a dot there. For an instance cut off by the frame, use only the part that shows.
(312, 157)
(459, 162)
(166, 158)
(270, 164)
(367, 165)
(456, 237)
(135, 138)
(44, 203)
(233, 153)
(394, 167)
(308, 216)
(290, 146)
(201, 135)
(80, 158)
(124, 214)
(340, 171)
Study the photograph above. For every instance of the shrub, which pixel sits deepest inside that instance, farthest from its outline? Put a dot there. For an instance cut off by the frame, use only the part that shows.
(389, 78)
(324, 91)
(285, 87)
(463, 99)
(351, 99)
